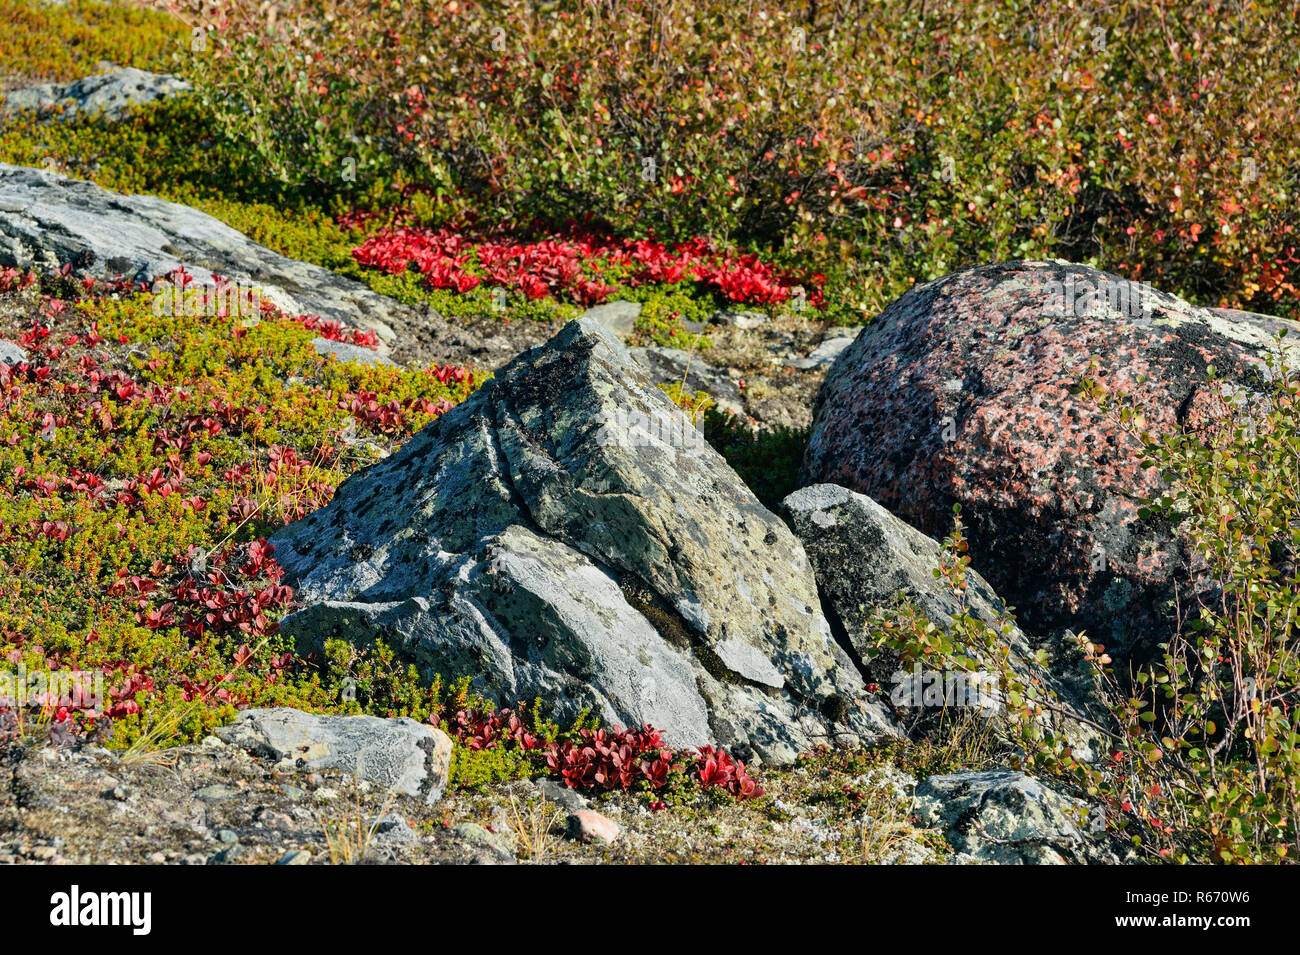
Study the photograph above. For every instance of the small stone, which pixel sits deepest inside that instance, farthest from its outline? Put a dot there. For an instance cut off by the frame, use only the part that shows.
(272, 819)
(228, 856)
(557, 792)
(216, 793)
(157, 858)
(228, 836)
(212, 742)
(295, 857)
(590, 826)
(393, 828)
(195, 858)
(477, 835)
(344, 352)
(326, 794)
(742, 319)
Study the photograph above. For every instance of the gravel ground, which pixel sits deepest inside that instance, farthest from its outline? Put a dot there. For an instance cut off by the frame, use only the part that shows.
(212, 804)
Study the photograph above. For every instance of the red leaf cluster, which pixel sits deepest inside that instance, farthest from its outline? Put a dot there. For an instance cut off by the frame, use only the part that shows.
(568, 267)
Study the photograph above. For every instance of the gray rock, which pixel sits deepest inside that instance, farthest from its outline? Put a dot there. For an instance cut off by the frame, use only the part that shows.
(1006, 817)
(48, 221)
(824, 355)
(295, 857)
(343, 351)
(476, 835)
(671, 364)
(562, 795)
(864, 557)
(216, 793)
(392, 828)
(106, 95)
(742, 319)
(566, 533)
(619, 316)
(231, 855)
(399, 754)
(11, 354)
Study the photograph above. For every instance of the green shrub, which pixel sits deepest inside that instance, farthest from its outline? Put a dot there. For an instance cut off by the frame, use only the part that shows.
(1202, 764)
(886, 144)
(1209, 764)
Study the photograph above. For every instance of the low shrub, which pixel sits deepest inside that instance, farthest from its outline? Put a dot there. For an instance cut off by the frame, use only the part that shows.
(878, 143)
(60, 42)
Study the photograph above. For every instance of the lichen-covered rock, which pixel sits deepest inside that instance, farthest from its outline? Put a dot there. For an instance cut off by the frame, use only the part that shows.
(864, 557)
(961, 392)
(49, 221)
(108, 95)
(566, 533)
(1006, 817)
(399, 754)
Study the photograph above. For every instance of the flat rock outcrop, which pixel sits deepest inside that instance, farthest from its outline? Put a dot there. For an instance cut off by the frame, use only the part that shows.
(49, 221)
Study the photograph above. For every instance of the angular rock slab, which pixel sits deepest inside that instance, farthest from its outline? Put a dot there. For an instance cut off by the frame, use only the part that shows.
(566, 533)
(398, 754)
(962, 391)
(674, 364)
(48, 221)
(863, 557)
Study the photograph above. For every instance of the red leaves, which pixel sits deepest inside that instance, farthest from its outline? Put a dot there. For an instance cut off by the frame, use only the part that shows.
(394, 415)
(480, 730)
(559, 265)
(604, 759)
(336, 331)
(624, 759)
(259, 553)
(717, 768)
(220, 607)
(55, 529)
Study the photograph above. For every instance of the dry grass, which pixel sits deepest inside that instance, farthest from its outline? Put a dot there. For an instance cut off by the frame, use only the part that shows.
(532, 826)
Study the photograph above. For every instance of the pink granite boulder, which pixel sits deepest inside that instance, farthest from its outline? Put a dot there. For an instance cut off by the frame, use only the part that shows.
(962, 392)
